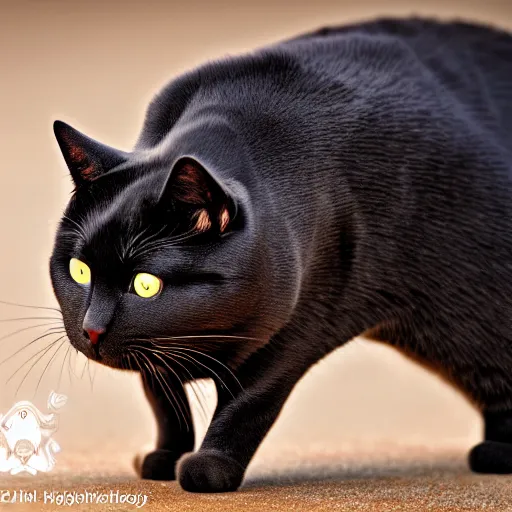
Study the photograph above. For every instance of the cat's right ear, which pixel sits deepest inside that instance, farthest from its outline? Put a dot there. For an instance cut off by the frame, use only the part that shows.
(86, 158)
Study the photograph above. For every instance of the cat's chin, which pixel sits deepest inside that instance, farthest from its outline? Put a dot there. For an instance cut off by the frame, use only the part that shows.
(115, 361)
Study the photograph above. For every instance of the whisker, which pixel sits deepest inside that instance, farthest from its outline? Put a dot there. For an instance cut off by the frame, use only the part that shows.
(27, 306)
(125, 362)
(72, 231)
(191, 381)
(155, 353)
(210, 357)
(62, 367)
(28, 345)
(118, 253)
(143, 242)
(129, 355)
(188, 357)
(132, 242)
(169, 242)
(161, 244)
(94, 369)
(83, 369)
(49, 363)
(164, 386)
(30, 318)
(56, 327)
(69, 365)
(200, 400)
(144, 371)
(45, 351)
(80, 229)
(32, 357)
(89, 372)
(207, 336)
(28, 328)
(74, 362)
(173, 239)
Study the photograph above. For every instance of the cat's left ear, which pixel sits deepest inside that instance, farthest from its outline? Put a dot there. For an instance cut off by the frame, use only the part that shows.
(191, 186)
(86, 158)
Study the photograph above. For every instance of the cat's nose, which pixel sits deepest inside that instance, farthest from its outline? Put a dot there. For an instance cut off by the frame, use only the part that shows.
(94, 335)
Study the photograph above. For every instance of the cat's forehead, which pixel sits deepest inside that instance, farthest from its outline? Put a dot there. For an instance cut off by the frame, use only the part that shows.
(126, 203)
(119, 213)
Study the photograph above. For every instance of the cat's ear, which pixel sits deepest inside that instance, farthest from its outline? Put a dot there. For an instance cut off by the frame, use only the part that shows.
(86, 158)
(192, 187)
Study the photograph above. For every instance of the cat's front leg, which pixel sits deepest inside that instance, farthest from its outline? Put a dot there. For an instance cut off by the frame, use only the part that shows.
(241, 423)
(175, 428)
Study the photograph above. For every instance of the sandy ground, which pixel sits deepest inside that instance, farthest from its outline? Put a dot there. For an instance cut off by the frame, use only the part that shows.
(413, 481)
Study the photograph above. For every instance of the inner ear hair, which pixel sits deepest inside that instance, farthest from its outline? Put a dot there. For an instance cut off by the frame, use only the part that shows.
(203, 220)
(192, 188)
(224, 219)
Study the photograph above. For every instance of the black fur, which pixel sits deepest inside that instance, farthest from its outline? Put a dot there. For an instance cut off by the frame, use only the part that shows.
(366, 174)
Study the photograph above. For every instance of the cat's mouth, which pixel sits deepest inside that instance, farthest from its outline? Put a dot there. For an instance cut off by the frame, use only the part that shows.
(103, 352)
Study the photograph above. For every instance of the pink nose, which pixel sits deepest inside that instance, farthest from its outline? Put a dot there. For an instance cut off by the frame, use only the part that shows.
(94, 336)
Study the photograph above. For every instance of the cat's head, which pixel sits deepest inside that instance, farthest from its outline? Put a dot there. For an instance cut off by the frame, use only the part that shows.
(156, 247)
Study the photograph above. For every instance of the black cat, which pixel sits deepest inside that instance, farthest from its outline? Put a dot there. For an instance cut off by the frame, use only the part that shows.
(352, 181)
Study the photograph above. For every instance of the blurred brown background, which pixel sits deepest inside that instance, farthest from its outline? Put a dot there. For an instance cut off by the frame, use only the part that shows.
(96, 64)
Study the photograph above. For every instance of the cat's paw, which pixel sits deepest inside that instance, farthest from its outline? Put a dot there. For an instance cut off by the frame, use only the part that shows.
(491, 457)
(157, 465)
(209, 471)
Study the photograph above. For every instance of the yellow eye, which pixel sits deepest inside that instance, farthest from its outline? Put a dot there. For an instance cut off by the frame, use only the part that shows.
(146, 285)
(79, 271)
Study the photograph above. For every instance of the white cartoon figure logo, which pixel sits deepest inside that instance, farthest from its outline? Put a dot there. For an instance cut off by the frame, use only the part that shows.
(26, 443)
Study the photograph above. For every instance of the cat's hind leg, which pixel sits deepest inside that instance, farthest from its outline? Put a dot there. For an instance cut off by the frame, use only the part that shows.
(494, 455)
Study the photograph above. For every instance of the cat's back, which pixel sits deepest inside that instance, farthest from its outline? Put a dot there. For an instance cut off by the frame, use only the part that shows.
(470, 63)
(355, 83)
(453, 51)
